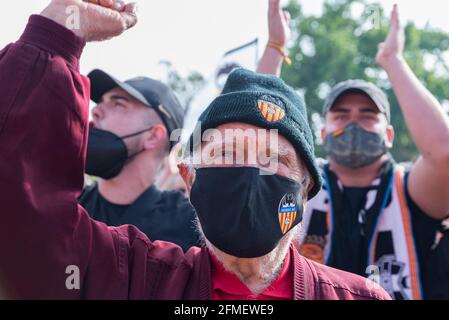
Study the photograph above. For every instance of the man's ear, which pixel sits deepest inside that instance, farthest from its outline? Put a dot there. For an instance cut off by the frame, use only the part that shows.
(156, 138)
(187, 174)
(390, 136)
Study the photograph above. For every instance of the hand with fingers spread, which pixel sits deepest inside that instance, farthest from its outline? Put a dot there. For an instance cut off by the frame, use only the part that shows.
(278, 23)
(393, 46)
(99, 19)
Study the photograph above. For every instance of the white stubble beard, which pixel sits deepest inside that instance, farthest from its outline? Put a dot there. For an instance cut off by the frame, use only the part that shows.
(256, 273)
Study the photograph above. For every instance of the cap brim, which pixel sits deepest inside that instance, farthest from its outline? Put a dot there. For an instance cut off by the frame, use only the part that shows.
(101, 82)
(363, 90)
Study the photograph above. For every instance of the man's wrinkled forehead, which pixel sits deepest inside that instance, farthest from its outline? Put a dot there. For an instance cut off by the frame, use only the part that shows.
(242, 134)
(248, 145)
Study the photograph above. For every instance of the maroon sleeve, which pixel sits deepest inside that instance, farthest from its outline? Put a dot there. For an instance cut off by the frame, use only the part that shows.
(45, 237)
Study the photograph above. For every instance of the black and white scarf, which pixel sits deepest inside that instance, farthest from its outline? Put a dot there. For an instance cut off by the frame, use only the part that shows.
(390, 255)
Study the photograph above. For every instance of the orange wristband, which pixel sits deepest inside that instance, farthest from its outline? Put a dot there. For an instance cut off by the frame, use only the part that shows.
(281, 50)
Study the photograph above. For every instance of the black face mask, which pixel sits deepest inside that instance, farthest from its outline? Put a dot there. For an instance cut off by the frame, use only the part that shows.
(354, 147)
(243, 213)
(107, 153)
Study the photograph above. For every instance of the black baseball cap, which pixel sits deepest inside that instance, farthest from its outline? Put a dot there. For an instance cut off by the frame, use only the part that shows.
(375, 93)
(152, 93)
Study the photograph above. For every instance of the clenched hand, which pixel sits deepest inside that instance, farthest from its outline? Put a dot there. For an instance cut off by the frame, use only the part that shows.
(99, 19)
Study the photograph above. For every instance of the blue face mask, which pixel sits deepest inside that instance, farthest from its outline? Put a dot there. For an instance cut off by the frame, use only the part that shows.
(243, 213)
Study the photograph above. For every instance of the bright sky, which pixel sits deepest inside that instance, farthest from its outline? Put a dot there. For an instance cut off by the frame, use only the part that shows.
(192, 34)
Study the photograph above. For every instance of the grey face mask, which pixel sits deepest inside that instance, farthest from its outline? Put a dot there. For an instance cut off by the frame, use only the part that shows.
(354, 147)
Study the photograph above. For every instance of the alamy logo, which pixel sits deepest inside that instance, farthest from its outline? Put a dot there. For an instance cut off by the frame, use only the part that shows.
(72, 282)
(73, 20)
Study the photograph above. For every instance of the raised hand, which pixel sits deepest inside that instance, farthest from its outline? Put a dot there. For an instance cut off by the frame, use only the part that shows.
(99, 19)
(278, 23)
(393, 46)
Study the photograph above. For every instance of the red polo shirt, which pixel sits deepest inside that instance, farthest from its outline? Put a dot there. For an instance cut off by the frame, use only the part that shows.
(227, 286)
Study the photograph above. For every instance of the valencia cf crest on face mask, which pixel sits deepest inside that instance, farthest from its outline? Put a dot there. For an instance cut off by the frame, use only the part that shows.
(270, 111)
(247, 226)
(287, 212)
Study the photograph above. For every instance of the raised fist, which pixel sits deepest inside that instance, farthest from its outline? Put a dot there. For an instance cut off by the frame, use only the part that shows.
(98, 19)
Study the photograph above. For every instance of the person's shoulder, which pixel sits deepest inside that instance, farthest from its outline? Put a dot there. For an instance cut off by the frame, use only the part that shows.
(421, 218)
(173, 195)
(337, 284)
(177, 199)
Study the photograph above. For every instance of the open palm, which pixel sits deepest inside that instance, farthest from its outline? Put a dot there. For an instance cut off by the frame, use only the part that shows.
(393, 46)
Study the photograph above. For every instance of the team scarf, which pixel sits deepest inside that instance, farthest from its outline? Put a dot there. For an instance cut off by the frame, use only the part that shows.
(390, 256)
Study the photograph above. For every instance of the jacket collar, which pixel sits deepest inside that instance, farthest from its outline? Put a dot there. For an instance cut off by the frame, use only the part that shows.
(303, 288)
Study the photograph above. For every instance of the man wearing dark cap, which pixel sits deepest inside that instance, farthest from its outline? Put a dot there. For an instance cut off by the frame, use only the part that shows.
(374, 217)
(249, 210)
(129, 140)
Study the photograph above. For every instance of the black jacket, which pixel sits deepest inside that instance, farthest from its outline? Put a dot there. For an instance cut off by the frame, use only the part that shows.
(161, 215)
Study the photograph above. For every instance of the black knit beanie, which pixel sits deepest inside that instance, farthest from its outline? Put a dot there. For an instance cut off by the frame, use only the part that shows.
(266, 102)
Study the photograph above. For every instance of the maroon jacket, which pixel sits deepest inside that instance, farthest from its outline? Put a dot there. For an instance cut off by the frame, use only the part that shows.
(44, 105)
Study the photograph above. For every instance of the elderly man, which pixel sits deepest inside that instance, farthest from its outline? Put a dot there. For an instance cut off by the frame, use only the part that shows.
(249, 220)
(374, 217)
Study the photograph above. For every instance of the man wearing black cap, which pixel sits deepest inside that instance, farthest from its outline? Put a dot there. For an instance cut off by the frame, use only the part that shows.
(129, 139)
(374, 217)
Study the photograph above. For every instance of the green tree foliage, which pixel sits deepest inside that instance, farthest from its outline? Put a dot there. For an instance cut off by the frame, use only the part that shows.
(185, 87)
(342, 44)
